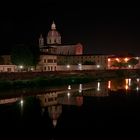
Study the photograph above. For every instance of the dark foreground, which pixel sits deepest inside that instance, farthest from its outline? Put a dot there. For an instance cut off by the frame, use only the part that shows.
(113, 117)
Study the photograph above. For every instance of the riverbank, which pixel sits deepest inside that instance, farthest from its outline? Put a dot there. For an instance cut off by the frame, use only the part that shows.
(44, 79)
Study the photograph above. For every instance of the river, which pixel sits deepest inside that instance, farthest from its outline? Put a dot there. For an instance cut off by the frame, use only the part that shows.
(96, 110)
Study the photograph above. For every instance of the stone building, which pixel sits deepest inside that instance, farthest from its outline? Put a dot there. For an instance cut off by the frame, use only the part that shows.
(53, 44)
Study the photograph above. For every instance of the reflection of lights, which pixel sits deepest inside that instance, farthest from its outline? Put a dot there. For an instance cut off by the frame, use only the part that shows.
(68, 66)
(126, 87)
(129, 82)
(126, 81)
(98, 86)
(138, 79)
(68, 94)
(69, 87)
(137, 88)
(117, 59)
(21, 102)
(80, 88)
(109, 84)
(80, 66)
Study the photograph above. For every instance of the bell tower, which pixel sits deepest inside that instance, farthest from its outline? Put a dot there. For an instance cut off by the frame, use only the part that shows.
(41, 41)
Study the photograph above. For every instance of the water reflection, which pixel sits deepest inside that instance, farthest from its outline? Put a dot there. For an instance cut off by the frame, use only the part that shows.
(54, 102)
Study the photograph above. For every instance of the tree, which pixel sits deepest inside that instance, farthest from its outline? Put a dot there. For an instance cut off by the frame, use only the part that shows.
(133, 62)
(119, 64)
(25, 55)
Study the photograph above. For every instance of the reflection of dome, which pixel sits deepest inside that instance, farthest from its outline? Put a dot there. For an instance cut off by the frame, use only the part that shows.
(54, 113)
(54, 123)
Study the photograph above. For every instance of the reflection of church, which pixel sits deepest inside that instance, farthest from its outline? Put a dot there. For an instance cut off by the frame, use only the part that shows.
(52, 44)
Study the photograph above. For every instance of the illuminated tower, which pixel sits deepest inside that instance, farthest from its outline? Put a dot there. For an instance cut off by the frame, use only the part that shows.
(41, 41)
(53, 35)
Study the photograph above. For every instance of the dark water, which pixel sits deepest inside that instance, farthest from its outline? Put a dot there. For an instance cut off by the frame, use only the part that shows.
(108, 110)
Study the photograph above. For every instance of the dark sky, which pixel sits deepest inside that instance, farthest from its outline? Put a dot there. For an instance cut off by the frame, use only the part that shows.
(100, 30)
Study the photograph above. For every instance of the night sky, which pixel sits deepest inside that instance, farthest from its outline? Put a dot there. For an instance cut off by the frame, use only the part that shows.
(100, 30)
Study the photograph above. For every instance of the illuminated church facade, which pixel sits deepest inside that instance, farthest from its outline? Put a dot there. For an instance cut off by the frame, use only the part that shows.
(53, 44)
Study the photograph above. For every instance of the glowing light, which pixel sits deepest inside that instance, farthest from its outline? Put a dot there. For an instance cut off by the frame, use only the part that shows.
(80, 66)
(129, 82)
(138, 79)
(126, 81)
(68, 94)
(68, 66)
(98, 66)
(129, 66)
(126, 87)
(117, 59)
(109, 60)
(21, 102)
(80, 88)
(69, 87)
(98, 86)
(137, 58)
(137, 88)
(126, 59)
(109, 84)
(21, 67)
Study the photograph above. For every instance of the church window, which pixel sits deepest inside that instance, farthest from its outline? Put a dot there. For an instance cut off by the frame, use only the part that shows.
(44, 60)
(48, 68)
(50, 60)
(45, 68)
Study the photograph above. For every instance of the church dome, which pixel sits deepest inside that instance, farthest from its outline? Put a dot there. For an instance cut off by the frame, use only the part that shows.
(53, 35)
(53, 32)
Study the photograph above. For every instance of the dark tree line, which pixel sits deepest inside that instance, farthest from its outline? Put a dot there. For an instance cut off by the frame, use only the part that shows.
(25, 55)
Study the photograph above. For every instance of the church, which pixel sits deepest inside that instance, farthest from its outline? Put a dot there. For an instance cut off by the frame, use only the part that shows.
(52, 44)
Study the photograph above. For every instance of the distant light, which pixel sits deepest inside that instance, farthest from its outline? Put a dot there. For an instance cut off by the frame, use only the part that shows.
(68, 94)
(117, 59)
(137, 58)
(126, 59)
(21, 102)
(21, 67)
(137, 88)
(109, 84)
(126, 81)
(138, 79)
(129, 82)
(32, 69)
(126, 87)
(80, 66)
(129, 66)
(98, 66)
(69, 87)
(109, 60)
(68, 66)
(98, 86)
(80, 88)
